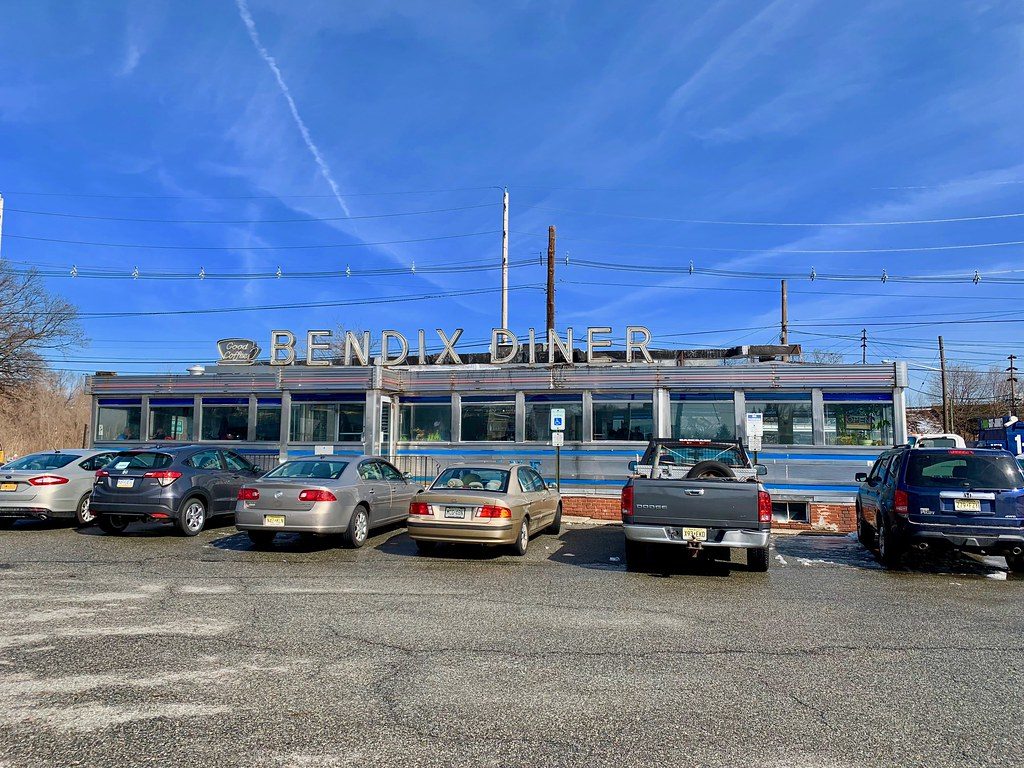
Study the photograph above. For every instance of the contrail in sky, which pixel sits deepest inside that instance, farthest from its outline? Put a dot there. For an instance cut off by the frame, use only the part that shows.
(250, 25)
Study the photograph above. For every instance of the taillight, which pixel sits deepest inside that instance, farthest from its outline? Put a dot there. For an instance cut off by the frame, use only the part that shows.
(163, 476)
(48, 480)
(493, 511)
(317, 495)
(419, 508)
(102, 473)
(248, 494)
(764, 507)
(901, 502)
(627, 500)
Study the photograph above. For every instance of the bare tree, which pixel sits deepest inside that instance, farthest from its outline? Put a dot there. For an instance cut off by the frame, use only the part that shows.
(33, 322)
(50, 412)
(973, 394)
(825, 358)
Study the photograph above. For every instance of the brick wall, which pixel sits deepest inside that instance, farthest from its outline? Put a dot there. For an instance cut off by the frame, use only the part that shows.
(835, 518)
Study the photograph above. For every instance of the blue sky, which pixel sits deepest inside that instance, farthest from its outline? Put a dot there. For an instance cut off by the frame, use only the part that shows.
(604, 119)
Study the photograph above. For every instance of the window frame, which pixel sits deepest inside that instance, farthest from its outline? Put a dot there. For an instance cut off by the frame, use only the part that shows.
(191, 460)
(628, 398)
(784, 398)
(483, 401)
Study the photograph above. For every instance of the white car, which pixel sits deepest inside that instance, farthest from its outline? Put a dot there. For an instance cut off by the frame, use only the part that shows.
(51, 484)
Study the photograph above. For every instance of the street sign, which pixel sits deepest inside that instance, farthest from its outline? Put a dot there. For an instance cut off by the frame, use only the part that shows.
(755, 425)
(558, 439)
(754, 443)
(558, 419)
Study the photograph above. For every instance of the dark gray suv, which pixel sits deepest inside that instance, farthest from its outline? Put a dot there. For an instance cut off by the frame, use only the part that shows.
(183, 485)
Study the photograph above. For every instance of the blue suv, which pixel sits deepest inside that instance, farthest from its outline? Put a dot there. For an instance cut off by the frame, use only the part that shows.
(967, 499)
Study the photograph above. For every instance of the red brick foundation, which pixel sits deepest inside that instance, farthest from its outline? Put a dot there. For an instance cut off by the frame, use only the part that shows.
(832, 518)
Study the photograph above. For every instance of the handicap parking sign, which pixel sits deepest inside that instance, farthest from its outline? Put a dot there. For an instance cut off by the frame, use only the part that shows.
(558, 419)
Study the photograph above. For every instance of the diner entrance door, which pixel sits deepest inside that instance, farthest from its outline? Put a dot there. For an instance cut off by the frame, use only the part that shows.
(385, 428)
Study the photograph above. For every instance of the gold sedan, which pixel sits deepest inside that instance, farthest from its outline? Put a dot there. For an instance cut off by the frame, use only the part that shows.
(485, 504)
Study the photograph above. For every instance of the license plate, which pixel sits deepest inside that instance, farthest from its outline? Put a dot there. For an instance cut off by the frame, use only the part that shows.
(125, 482)
(695, 534)
(8, 486)
(273, 521)
(967, 505)
(456, 513)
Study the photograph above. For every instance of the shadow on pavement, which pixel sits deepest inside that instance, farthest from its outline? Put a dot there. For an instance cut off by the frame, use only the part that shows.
(238, 541)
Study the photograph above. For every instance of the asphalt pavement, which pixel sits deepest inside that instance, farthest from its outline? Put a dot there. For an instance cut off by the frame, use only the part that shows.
(154, 649)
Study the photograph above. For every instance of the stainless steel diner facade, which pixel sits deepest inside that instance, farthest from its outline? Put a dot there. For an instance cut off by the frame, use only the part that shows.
(823, 423)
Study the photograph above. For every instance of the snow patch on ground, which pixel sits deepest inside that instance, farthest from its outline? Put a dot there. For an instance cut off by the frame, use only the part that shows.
(809, 561)
(997, 576)
(781, 560)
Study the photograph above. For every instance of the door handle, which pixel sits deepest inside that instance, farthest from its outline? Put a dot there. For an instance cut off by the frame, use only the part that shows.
(694, 491)
(373, 490)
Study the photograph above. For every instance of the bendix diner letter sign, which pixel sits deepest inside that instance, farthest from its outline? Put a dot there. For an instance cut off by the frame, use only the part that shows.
(395, 348)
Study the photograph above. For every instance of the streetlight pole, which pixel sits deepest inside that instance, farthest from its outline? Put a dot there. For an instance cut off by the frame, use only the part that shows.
(504, 258)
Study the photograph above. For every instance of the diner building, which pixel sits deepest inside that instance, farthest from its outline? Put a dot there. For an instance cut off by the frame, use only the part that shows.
(822, 423)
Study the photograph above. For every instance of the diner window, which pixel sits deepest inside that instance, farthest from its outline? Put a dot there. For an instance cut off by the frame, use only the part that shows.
(425, 419)
(538, 416)
(787, 418)
(327, 418)
(852, 419)
(171, 419)
(789, 511)
(700, 416)
(119, 419)
(225, 418)
(623, 417)
(489, 419)
(268, 419)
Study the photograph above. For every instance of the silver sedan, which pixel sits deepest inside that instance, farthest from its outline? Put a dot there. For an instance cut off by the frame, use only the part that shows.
(324, 495)
(50, 484)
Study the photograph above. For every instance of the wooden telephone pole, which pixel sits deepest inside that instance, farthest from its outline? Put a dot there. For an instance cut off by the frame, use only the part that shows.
(784, 330)
(1012, 379)
(551, 278)
(947, 416)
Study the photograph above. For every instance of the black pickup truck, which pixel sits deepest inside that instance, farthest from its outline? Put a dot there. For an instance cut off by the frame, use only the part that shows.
(710, 516)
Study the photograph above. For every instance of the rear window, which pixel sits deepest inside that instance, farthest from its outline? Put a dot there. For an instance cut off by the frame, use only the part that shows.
(42, 461)
(141, 460)
(688, 455)
(309, 469)
(963, 469)
(472, 478)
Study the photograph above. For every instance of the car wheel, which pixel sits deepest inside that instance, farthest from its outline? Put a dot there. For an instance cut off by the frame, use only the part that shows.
(889, 552)
(556, 525)
(192, 517)
(83, 515)
(1015, 563)
(705, 470)
(864, 534)
(358, 528)
(523, 539)
(7, 522)
(636, 556)
(261, 539)
(426, 547)
(112, 524)
(758, 559)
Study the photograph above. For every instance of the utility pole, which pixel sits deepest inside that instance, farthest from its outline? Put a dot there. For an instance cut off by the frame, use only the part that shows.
(1, 225)
(1012, 370)
(946, 416)
(863, 346)
(784, 330)
(551, 278)
(504, 259)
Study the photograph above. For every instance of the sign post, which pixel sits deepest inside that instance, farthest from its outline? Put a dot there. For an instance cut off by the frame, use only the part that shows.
(558, 440)
(755, 432)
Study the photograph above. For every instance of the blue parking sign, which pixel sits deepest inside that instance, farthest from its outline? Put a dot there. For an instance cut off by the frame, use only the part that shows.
(558, 419)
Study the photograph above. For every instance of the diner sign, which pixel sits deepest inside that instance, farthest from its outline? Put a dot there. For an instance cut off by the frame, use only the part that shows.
(395, 348)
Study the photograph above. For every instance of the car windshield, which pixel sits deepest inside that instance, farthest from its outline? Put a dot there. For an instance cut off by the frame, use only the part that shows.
(314, 469)
(472, 478)
(42, 461)
(963, 469)
(140, 460)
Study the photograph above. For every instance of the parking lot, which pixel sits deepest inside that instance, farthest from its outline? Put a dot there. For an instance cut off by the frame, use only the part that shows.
(154, 649)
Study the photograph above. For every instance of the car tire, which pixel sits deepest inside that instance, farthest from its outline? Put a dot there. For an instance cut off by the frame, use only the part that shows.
(889, 551)
(522, 542)
(192, 516)
(636, 556)
(426, 547)
(261, 539)
(1015, 563)
(864, 534)
(556, 525)
(713, 469)
(83, 516)
(112, 524)
(7, 522)
(758, 559)
(358, 528)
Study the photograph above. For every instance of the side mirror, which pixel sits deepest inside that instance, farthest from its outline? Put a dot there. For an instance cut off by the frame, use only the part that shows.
(761, 470)
(632, 467)
(407, 475)
(552, 487)
(861, 477)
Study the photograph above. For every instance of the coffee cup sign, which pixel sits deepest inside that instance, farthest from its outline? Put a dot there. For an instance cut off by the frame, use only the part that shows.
(237, 351)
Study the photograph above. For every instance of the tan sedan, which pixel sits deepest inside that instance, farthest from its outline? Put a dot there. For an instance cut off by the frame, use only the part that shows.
(485, 504)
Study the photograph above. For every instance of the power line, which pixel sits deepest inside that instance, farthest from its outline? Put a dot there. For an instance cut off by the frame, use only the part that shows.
(734, 223)
(253, 197)
(308, 219)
